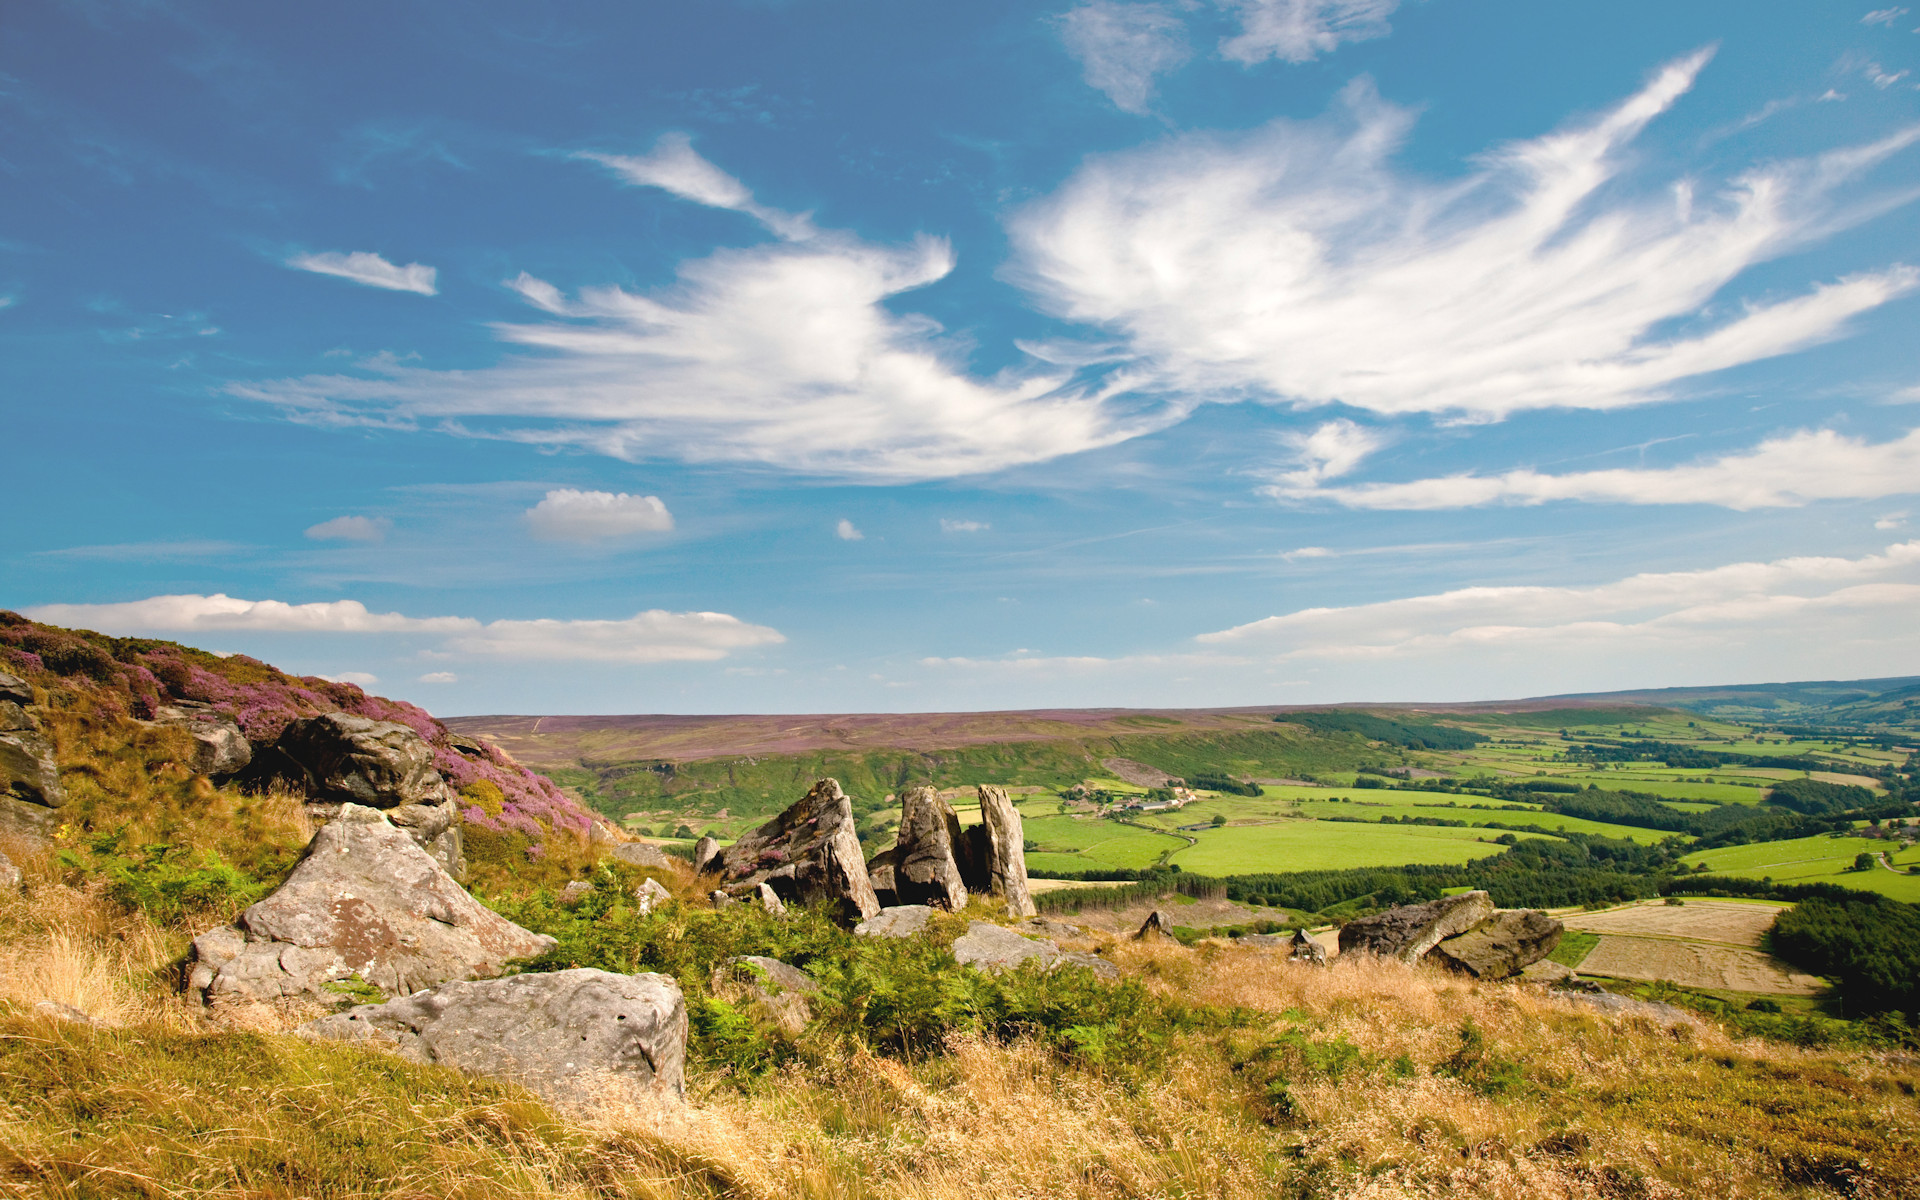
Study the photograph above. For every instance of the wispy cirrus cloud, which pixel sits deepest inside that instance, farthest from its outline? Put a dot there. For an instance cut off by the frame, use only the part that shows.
(366, 267)
(571, 515)
(1783, 472)
(1123, 48)
(1297, 263)
(652, 636)
(350, 529)
(675, 166)
(1298, 31)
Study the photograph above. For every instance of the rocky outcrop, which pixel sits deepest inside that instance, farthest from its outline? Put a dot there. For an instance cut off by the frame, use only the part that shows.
(998, 853)
(642, 854)
(219, 748)
(706, 855)
(898, 921)
(368, 901)
(27, 770)
(579, 1038)
(1501, 946)
(1304, 949)
(779, 990)
(924, 865)
(340, 759)
(1408, 932)
(994, 948)
(809, 854)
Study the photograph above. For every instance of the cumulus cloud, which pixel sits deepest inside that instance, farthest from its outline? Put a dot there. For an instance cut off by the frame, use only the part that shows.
(363, 266)
(1297, 262)
(948, 525)
(569, 515)
(1782, 472)
(1121, 48)
(646, 637)
(846, 532)
(786, 353)
(440, 677)
(1808, 597)
(1298, 31)
(1333, 449)
(350, 529)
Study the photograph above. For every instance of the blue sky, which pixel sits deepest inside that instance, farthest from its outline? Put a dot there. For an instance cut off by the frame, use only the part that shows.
(808, 356)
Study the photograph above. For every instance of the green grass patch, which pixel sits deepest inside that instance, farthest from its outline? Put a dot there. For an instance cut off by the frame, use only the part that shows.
(1575, 945)
(1813, 860)
(1329, 845)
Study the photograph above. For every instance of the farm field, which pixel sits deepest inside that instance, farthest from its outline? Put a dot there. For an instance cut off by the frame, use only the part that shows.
(1814, 860)
(1328, 845)
(1702, 943)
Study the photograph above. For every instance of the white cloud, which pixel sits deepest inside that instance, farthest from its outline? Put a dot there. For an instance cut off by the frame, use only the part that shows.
(1882, 78)
(1782, 472)
(1298, 31)
(646, 637)
(1296, 262)
(1122, 47)
(1883, 16)
(1810, 598)
(357, 678)
(363, 266)
(1891, 521)
(1333, 449)
(569, 515)
(350, 529)
(676, 167)
(846, 532)
(952, 526)
(439, 677)
(784, 354)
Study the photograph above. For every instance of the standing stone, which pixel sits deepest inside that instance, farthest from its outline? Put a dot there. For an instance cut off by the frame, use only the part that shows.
(706, 855)
(1157, 926)
(1409, 931)
(368, 901)
(580, 1038)
(923, 866)
(999, 856)
(1501, 946)
(809, 854)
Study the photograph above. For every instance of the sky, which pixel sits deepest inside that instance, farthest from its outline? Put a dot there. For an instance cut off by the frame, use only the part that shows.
(845, 355)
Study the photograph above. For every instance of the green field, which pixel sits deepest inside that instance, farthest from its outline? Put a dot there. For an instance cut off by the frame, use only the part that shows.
(1329, 845)
(1814, 860)
(1071, 844)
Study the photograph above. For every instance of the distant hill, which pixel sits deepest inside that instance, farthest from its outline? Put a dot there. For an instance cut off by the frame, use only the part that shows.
(1842, 703)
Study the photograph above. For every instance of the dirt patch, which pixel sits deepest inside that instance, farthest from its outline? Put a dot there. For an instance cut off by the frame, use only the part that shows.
(1695, 964)
(1698, 920)
(1137, 773)
(1865, 781)
(1037, 886)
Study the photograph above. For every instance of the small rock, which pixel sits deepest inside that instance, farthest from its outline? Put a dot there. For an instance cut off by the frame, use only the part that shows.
(770, 901)
(706, 855)
(1574, 983)
(1042, 925)
(10, 877)
(1304, 949)
(642, 854)
(994, 948)
(579, 1038)
(219, 748)
(1409, 931)
(1548, 972)
(1626, 1006)
(64, 1012)
(720, 899)
(1157, 925)
(649, 896)
(575, 891)
(1264, 941)
(902, 920)
(782, 990)
(14, 719)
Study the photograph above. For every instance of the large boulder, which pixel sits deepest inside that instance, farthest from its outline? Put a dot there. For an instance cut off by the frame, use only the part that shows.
(706, 855)
(809, 854)
(1501, 946)
(779, 989)
(368, 901)
(923, 867)
(896, 921)
(219, 748)
(997, 854)
(642, 854)
(1408, 932)
(994, 948)
(579, 1038)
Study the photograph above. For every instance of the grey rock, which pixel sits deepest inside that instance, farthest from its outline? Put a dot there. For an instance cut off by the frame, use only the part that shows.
(897, 921)
(27, 770)
(1047, 928)
(366, 900)
(16, 689)
(1304, 949)
(1157, 925)
(721, 900)
(994, 948)
(778, 989)
(1409, 931)
(25, 820)
(924, 866)
(580, 1038)
(649, 896)
(379, 764)
(1626, 1006)
(809, 854)
(1092, 962)
(642, 854)
(1500, 946)
(13, 718)
(1548, 972)
(770, 900)
(10, 877)
(219, 748)
(64, 1012)
(997, 852)
(706, 855)
(575, 891)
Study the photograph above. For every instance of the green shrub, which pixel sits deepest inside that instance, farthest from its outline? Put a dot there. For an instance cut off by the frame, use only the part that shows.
(164, 880)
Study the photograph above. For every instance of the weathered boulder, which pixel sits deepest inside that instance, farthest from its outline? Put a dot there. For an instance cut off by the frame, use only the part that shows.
(15, 689)
(27, 769)
(1500, 946)
(1049, 928)
(649, 896)
(1304, 949)
(706, 855)
(809, 854)
(924, 865)
(25, 820)
(779, 989)
(993, 948)
(10, 877)
(1409, 931)
(219, 748)
(1548, 972)
(575, 891)
(1157, 925)
(997, 854)
(770, 900)
(897, 921)
(642, 854)
(14, 718)
(366, 900)
(579, 1038)
(1092, 962)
